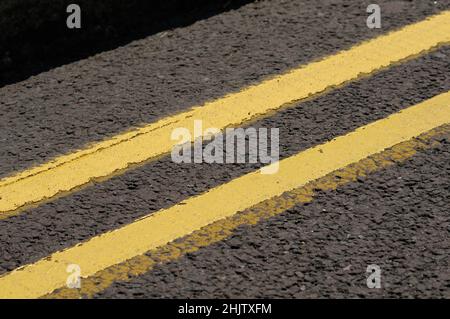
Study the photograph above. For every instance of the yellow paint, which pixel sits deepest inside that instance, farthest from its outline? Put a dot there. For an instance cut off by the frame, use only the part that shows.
(226, 200)
(224, 228)
(120, 152)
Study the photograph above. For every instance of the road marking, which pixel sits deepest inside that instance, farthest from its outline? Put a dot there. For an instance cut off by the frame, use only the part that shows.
(164, 226)
(224, 228)
(112, 156)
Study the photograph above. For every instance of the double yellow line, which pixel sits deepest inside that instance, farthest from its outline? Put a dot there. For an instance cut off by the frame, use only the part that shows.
(122, 151)
(166, 225)
(158, 229)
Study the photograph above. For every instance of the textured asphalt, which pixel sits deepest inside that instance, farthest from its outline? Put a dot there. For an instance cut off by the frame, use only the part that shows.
(89, 100)
(60, 110)
(120, 200)
(397, 219)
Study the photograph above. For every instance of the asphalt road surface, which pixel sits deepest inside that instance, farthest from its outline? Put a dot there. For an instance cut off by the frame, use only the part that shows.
(392, 211)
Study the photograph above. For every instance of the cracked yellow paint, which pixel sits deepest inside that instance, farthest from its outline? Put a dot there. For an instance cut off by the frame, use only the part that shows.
(112, 156)
(160, 228)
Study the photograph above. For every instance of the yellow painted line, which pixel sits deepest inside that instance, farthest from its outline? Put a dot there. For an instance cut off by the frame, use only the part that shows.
(224, 228)
(226, 200)
(67, 172)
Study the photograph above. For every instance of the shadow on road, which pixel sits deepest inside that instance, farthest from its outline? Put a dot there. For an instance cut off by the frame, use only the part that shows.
(34, 36)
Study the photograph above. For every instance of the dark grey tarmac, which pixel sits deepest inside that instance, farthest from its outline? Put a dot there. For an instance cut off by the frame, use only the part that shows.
(397, 219)
(89, 100)
(107, 205)
(401, 213)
